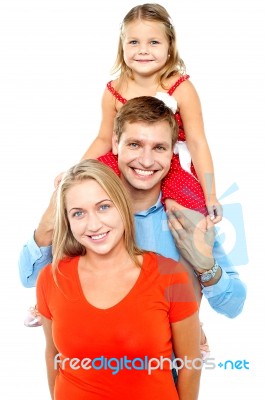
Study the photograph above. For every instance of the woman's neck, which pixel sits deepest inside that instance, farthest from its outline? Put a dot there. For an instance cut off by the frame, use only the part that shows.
(116, 260)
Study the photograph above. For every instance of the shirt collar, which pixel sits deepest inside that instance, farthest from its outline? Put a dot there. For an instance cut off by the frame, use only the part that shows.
(153, 208)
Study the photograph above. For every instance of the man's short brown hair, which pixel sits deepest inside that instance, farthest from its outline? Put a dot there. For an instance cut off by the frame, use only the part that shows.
(145, 109)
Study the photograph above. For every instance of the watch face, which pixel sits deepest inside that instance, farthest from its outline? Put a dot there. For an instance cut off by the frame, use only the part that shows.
(206, 277)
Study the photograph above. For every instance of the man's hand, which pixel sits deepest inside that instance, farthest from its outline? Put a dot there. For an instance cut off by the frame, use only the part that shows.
(194, 236)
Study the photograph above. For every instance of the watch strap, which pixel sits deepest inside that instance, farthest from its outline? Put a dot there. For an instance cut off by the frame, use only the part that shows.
(206, 276)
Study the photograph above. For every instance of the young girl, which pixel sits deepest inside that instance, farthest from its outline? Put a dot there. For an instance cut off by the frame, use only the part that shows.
(107, 306)
(150, 65)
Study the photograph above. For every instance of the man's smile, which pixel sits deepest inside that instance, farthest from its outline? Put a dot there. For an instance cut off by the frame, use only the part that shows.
(143, 172)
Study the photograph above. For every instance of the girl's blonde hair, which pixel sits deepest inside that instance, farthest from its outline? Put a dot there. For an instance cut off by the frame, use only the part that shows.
(64, 243)
(155, 13)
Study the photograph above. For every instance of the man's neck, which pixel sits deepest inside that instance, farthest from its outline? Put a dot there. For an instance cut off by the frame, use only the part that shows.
(142, 199)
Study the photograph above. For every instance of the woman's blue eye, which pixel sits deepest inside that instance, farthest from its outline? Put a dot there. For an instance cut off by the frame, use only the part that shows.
(133, 42)
(104, 207)
(77, 214)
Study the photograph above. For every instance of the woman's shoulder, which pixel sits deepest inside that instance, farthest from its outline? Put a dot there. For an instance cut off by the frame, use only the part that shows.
(66, 266)
(45, 271)
(162, 264)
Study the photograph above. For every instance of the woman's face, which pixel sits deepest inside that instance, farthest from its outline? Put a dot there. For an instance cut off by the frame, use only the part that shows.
(94, 220)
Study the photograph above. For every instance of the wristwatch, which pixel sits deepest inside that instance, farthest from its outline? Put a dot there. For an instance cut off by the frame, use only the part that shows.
(208, 275)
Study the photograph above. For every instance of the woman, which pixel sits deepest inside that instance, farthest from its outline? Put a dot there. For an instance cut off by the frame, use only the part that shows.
(112, 313)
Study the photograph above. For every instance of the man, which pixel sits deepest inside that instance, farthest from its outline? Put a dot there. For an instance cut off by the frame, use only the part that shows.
(144, 135)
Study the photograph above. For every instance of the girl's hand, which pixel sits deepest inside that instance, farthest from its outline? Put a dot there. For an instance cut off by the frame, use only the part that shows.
(215, 211)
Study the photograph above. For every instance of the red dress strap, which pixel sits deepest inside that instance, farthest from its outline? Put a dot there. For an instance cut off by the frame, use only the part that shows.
(178, 82)
(115, 93)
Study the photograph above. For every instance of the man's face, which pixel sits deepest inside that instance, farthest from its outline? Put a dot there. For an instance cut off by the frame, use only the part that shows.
(144, 154)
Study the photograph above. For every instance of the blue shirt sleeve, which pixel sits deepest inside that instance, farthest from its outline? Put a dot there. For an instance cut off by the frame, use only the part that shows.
(228, 295)
(31, 260)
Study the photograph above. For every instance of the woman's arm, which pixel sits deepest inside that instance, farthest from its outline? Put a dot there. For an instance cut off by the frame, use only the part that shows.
(186, 345)
(103, 142)
(50, 353)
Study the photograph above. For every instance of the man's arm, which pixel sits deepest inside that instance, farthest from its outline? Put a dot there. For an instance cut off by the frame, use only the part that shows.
(195, 237)
(37, 253)
(31, 260)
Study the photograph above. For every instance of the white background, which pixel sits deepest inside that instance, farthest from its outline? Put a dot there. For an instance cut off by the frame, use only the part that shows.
(56, 58)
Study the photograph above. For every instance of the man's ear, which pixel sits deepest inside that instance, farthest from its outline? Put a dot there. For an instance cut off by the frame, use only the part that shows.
(114, 144)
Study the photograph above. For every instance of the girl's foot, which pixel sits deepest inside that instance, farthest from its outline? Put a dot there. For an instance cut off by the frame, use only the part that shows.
(204, 346)
(33, 318)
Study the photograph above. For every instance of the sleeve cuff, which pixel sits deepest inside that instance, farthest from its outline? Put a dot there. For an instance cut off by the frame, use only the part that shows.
(37, 252)
(220, 287)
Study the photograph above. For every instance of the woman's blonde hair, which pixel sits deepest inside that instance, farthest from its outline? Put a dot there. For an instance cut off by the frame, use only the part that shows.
(64, 243)
(155, 13)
